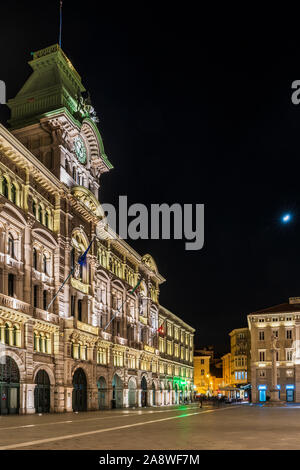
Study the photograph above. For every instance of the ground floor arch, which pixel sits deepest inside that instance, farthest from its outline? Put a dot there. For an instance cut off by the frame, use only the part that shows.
(102, 393)
(42, 392)
(132, 392)
(153, 394)
(144, 388)
(117, 386)
(79, 395)
(9, 386)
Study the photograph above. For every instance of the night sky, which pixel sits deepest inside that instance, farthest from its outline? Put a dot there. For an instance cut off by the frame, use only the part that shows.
(189, 113)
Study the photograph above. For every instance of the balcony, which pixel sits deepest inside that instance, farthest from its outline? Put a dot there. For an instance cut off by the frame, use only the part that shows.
(80, 285)
(45, 316)
(143, 320)
(15, 304)
(120, 340)
(130, 320)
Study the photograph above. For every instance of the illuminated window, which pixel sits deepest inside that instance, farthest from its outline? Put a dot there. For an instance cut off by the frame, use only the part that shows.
(169, 348)
(261, 335)
(262, 356)
(101, 356)
(118, 358)
(11, 246)
(289, 354)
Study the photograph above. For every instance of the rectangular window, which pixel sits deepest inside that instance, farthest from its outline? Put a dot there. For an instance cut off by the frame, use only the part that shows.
(275, 333)
(262, 373)
(11, 285)
(202, 361)
(35, 296)
(261, 335)
(202, 371)
(262, 356)
(288, 334)
(289, 354)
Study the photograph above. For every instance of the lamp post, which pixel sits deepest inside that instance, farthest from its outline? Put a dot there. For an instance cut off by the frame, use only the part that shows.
(207, 376)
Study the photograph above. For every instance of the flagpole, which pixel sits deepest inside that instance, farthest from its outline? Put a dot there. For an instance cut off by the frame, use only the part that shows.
(80, 262)
(131, 292)
(60, 22)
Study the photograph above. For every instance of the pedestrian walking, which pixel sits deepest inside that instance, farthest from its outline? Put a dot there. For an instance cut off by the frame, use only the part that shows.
(201, 401)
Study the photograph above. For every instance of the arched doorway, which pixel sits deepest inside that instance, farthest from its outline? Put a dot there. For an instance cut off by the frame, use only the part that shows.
(131, 392)
(9, 386)
(176, 394)
(79, 396)
(169, 397)
(42, 392)
(102, 391)
(153, 394)
(144, 392)
(117, 386)
(162, 400)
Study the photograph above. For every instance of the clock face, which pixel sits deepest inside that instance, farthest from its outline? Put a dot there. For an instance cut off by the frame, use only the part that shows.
(80, 150)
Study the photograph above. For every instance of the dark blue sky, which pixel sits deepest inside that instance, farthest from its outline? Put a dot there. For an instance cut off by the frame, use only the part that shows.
(189, 113)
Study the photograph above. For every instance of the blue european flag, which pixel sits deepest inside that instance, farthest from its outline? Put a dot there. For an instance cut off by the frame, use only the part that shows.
(82, 258)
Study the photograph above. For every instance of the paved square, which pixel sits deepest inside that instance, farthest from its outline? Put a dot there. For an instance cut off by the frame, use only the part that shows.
(180, 427)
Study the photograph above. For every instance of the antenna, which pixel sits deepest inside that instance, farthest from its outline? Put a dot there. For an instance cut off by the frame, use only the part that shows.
(60, 22)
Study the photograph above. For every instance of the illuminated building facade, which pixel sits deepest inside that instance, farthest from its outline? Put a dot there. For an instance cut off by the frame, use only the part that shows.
(236, 365)
(282, 321)
(202, 379)
(97, 346)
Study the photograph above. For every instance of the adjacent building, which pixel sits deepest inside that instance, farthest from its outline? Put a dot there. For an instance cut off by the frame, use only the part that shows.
(282, 324)
(97, 345)
(236, 365)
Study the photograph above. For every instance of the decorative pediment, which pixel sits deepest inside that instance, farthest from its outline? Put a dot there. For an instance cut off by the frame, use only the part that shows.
(149, 262)
(87, 198)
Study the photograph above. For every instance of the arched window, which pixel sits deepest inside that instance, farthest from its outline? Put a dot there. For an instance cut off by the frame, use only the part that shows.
(47, 219)
(11, 285)
(45, 300)
(6, 336)
(67, 168)
(15, 336)
(11, 246)
(34, 208)
(5, 187)
(45, 264)
(34, 258)
(13, 193)
(35, 295)
(79, 305)
(35, 345)
(72, 258)
(74, 173)
(40, 214)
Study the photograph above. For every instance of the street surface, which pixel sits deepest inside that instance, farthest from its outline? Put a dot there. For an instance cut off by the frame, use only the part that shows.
(240, 426)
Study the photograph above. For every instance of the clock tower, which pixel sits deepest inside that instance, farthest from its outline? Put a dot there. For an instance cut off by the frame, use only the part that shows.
(57, 124)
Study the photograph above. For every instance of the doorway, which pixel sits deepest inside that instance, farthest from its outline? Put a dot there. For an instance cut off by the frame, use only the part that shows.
(42, 392)
(79, 396)
(9, 386)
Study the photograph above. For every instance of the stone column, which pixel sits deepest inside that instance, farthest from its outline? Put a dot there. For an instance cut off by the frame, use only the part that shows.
(125, 398)
(274, 391)
(29, 406)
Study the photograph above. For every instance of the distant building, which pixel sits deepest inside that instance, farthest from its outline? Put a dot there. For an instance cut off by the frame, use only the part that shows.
(283, 322)
(236, 365)
(208, 377)
(202, 374)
